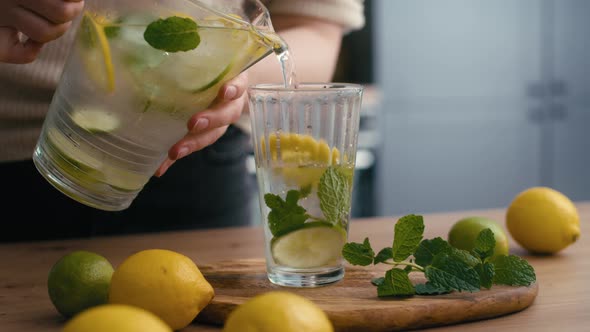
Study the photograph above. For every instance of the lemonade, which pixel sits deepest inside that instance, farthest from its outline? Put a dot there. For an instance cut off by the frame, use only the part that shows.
(305, 148)
(124, 99)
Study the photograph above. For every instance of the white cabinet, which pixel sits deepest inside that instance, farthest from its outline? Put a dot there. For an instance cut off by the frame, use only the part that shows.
(570, 101)
(481, 99)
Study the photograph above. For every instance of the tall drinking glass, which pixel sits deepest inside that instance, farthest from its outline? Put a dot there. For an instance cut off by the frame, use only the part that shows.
(305, 143)
(138, 70)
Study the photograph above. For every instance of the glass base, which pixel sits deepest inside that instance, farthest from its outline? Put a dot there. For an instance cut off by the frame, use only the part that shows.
(68, 186)
(305, 279)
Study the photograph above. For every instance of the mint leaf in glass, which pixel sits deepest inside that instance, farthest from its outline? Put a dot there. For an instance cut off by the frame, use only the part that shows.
(173, 34)
(450, 271)
(512, 270)
(430, 289)
(334, 195)
(396, 283)
(383, 255)
(285, 215)
(427, 249)
(407, 236)
(358, 253)
(485, 244)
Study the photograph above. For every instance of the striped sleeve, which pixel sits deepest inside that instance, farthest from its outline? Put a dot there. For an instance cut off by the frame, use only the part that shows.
(348, 13)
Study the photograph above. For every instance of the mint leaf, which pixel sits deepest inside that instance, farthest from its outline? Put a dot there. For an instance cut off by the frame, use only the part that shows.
(334, 195)
(407, 236)
(358, 253)
(486, 274)
(450, 271)
(112, 31)
(396, 283)
(377, 281)
(484, 244)
(464, 256)
(512, 270)
(172, 34)
(427, 249)
(430, 289)
(383, 255)
(305, 191)
(285, 215)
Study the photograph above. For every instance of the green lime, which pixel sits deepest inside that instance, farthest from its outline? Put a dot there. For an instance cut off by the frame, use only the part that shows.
(465, 231)
(79, 280)
(316, 244)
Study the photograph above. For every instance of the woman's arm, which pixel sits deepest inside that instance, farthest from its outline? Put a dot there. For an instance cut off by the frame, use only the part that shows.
(314, 45)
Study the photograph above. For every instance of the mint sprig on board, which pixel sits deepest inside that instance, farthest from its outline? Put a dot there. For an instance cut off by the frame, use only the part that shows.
(173, 34)
(287, 215)
(445, 267)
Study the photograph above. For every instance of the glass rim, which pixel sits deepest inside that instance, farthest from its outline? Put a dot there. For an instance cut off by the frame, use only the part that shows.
(307, 86)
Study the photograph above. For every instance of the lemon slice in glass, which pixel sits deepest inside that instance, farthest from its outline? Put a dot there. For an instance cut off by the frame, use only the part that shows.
(299, 158)
(316, 244)
(96, 51)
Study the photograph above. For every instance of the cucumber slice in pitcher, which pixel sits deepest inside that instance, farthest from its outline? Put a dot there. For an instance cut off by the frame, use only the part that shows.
(96, 121)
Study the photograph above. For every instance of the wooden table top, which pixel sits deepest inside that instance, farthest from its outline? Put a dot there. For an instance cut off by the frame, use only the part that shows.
(563, 302)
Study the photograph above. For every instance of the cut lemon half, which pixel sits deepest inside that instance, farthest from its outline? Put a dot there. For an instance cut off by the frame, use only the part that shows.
(96, 121)
(96, 51)
(316, 244)
(299, 158)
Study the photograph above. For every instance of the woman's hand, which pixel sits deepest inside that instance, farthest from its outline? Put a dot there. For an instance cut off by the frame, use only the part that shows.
(41, 21)
(206, 127)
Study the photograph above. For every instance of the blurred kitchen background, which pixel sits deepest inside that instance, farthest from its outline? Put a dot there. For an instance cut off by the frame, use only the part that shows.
(469, 102)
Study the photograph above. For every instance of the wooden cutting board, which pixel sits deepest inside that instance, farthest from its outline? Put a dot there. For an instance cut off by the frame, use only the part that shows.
(352, 304)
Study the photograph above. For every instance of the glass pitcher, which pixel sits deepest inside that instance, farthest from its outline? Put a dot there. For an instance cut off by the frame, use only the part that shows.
(138, 70)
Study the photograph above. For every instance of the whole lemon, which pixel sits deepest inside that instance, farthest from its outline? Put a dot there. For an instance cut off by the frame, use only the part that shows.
(79, 280)
(165, 282)
(116, 318)
(465, 231)
(278, 311)
(543, 220)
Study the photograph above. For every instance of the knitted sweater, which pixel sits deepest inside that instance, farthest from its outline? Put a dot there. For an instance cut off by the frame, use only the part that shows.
(26, 90)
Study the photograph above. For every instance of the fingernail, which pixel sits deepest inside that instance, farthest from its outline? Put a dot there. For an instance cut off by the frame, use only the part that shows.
(183, 151)
(230, 92)
(201, 124)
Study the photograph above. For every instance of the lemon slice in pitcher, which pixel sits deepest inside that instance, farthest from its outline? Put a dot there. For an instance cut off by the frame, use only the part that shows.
(96, 51)
(316, 244)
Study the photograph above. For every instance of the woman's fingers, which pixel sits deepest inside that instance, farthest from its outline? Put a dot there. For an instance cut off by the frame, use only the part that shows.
(206, 127)
(12, 50)
(55, 11)
(221, 114)
(226, 110)
(37, 27)
(188, 144)
(234, 88)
